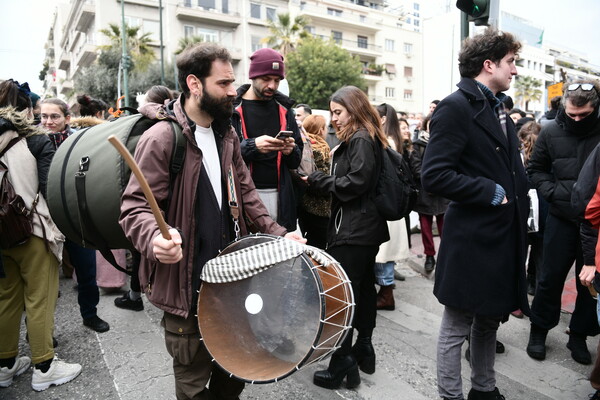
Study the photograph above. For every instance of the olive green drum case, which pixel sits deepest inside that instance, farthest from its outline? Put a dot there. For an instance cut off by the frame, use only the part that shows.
(87, 177)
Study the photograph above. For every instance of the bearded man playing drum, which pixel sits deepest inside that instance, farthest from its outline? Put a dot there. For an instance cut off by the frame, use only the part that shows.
(194, 201)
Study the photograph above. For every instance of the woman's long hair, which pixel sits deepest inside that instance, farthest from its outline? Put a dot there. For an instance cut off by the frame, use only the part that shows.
(362, 114)
(313, 125)
(407, 144)
(391, 126)
(528, 135)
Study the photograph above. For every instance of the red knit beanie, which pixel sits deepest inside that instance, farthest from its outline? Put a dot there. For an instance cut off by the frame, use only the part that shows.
(266, 62)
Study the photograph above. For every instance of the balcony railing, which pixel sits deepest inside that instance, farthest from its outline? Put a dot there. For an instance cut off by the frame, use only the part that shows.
(343, 16)
(352, 44)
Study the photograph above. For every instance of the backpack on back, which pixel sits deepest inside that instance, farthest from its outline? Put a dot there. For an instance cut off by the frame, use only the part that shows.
(87, 178)
(16, 226)
(395, 192)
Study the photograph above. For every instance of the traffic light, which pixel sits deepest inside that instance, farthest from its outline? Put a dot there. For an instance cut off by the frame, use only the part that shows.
(477, 11)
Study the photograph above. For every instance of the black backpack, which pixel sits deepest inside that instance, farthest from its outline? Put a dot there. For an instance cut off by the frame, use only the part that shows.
(87, 178)
(395, 192)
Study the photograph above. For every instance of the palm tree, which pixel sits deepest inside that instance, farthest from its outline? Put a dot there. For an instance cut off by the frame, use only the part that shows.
(186, 42)
(138, 45)
(528, 89)
(285, 32)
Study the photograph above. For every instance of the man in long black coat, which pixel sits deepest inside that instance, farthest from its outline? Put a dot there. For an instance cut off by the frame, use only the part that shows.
(473, 160)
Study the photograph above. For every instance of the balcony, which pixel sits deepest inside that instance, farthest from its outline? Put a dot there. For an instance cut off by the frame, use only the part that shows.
(365, 50)
(373, 72)
(342, 18)
(65, 61)
(85, 15)
(67, 87)
(86, 54)
(187, 11)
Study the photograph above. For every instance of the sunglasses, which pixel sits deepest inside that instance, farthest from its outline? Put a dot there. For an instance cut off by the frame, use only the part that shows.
(586, 87)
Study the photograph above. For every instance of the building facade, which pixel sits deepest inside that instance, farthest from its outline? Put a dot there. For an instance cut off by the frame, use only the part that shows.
(373, 30)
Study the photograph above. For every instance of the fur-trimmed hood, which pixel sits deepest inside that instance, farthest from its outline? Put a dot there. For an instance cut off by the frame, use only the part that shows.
(18, 121)
(85, 122)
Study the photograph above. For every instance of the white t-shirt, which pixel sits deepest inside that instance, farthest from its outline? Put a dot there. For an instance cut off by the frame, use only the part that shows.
(205, 138)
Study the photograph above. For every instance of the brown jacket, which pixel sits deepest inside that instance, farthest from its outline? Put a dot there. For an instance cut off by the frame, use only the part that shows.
(169, 286)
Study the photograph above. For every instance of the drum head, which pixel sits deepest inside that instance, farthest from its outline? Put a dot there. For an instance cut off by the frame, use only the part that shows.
(262, 328)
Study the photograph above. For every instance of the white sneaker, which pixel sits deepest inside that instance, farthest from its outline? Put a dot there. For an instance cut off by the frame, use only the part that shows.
(59, 372)
(7, 375)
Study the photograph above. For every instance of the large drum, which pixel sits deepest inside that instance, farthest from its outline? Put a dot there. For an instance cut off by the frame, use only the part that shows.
(293, 313)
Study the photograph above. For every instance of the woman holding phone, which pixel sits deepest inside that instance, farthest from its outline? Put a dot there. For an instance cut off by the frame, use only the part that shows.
(355, 229)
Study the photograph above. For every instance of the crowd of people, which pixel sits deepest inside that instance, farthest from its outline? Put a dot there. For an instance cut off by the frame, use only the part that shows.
(481, 167)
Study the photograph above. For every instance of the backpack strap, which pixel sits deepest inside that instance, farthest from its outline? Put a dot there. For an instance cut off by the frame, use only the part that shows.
(85, 221)
(10, 144)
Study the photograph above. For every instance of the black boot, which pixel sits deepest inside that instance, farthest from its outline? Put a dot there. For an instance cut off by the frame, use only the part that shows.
(578, 347)
(429, 264)
(493, 395)
(536, 348)
(339, 367)
(365, 354)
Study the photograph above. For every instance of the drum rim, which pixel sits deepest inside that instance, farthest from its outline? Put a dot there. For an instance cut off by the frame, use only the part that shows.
(305, 360)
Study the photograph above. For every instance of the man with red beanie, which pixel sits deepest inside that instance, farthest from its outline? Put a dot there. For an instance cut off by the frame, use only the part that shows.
(261, 113)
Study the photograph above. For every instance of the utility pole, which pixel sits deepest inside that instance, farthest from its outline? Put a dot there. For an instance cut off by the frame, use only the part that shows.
(124, 56)
(162, 48)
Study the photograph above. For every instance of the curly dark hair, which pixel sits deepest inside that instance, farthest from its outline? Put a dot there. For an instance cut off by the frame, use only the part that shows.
(491, 45)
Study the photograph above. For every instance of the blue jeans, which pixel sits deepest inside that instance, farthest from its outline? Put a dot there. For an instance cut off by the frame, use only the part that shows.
(384, 273)
(84, 262)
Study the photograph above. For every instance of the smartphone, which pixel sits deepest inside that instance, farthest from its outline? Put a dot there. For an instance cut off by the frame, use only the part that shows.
(282, 135)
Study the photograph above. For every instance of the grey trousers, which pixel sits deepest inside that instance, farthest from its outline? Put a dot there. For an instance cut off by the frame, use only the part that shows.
(456, 326)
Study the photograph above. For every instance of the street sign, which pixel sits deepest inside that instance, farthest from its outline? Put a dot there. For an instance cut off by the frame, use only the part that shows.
(555, 90)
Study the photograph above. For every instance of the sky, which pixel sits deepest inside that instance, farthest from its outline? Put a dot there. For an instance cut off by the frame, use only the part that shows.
(24, 29)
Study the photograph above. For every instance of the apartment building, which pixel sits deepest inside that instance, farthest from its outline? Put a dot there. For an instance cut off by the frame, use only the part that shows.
(375, 31)
(546, 62)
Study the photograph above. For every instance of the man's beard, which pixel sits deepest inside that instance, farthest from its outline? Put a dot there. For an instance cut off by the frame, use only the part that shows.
(262, 95)
(219, 109)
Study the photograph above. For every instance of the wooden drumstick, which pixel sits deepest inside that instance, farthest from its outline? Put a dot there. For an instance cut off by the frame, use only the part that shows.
(162, 225)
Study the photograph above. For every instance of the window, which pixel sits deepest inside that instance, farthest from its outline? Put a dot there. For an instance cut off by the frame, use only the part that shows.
(302, 5)
(408, 72)
(362, 18)
(310, 29)
(225, 6)
(208, 35)
(390, 92)
(255, 43)
(416, 22)
(407, 94)
(188, 31)
(255, 10)
(408, 20)
(408, 48)
(151, 27)
(337, 36)
(271, 14)
(363, 42)
(335, 12)
(416, 6)
(389, 44)
(133, 21)
(206, 4)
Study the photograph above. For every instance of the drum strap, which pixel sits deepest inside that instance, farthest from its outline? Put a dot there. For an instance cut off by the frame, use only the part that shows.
(233, 203)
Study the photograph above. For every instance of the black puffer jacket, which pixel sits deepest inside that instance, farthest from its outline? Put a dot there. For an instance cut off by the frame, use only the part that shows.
(556, 161)
(354, 216)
